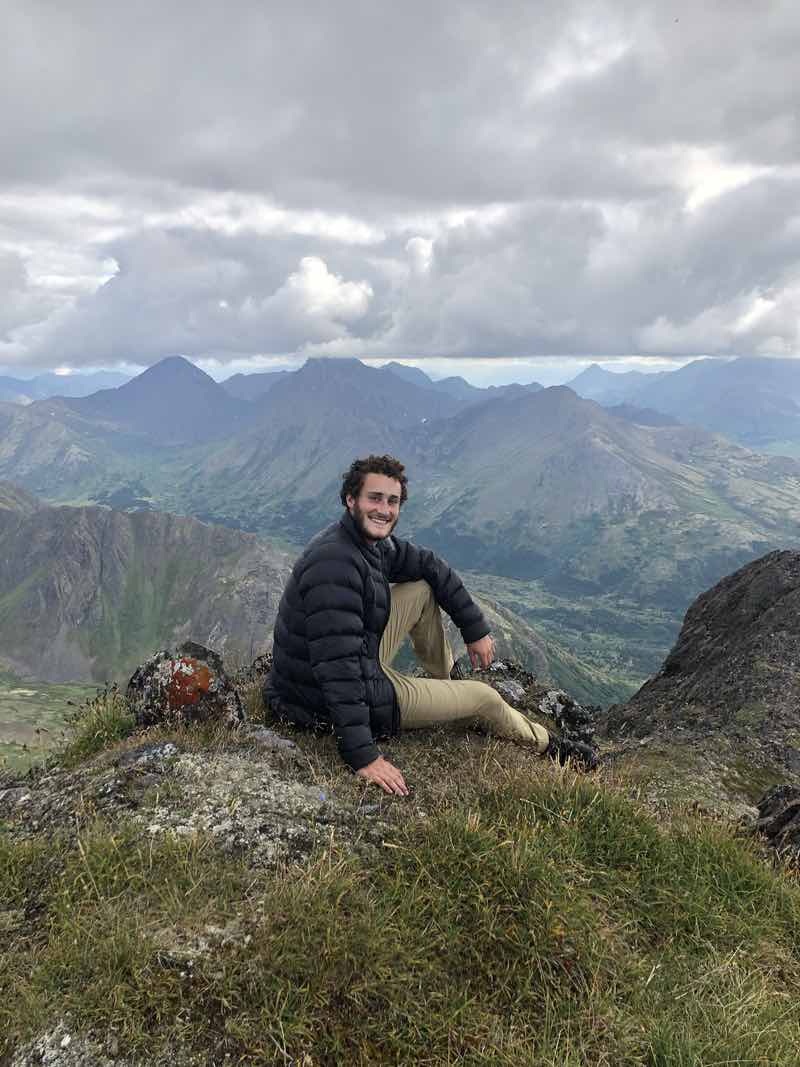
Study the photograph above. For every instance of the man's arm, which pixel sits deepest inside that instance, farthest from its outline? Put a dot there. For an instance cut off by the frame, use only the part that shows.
(408, 562)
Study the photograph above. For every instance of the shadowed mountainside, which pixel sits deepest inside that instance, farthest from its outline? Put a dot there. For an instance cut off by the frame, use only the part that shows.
(86, 593)
(171, 403)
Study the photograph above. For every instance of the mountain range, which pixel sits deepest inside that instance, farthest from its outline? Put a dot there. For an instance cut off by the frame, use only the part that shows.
(26, 390)
(755, 401)
(621, 512)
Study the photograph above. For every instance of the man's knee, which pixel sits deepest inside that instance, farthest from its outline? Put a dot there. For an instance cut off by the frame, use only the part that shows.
(412, 592)
(491, 699)
(420, 588)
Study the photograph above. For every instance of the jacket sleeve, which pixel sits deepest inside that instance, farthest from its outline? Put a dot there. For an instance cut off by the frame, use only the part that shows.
(332, 591)
(408, 562)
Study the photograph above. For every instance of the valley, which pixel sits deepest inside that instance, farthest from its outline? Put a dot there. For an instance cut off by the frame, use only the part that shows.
(33, 718)
(621, 640)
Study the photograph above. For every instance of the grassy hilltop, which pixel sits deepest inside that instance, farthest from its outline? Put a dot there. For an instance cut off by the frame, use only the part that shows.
(509, 912)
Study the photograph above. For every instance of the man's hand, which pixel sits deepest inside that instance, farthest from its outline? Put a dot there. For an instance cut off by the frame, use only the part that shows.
(481, 653)
(386, 775)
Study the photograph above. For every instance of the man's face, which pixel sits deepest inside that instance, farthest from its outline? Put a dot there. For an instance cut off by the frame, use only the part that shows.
(376, 509)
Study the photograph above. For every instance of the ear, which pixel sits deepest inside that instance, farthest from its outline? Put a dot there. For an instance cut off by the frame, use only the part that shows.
(350, 501)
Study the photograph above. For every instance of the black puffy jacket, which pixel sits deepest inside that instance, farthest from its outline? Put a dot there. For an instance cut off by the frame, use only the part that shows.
(331, 618)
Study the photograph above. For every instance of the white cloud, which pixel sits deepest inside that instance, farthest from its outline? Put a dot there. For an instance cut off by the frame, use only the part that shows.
(313, 305)
(460, 179)
(749, 323)
(420, 253)
(315, 291)
(705, 176)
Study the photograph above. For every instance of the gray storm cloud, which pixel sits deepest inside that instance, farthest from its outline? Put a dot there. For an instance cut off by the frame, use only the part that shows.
(459, 179)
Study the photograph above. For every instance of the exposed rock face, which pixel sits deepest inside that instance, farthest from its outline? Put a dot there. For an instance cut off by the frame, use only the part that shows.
(93, 591)
(60, 1048)
(188, 684)
(735, 668)
(779, 821)
(256, 799)
(720, 722)
(572, 719)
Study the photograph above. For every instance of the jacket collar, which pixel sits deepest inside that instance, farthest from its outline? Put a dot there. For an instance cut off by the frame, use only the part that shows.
(348, 523)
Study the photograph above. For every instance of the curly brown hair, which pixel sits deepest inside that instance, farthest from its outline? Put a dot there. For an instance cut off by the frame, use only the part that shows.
(354, 477)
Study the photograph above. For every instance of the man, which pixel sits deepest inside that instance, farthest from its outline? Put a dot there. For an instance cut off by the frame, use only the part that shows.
(353, 596)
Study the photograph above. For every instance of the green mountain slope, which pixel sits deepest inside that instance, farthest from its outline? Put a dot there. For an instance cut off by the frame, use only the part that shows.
(553, 487)
(87, 593)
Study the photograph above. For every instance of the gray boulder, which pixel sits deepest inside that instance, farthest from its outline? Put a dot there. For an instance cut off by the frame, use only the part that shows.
(187, 684)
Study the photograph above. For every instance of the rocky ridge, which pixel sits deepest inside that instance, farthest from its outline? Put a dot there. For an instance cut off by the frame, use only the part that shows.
(86, 593)
(724, 710)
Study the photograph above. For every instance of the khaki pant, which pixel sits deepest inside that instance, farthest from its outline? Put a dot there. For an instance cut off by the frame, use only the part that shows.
(433, 701)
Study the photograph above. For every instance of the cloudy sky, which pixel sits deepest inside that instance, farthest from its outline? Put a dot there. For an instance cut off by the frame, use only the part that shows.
(523, 186)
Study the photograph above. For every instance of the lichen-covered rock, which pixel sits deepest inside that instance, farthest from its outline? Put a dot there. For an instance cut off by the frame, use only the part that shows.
(188, 684)
(256, 799)
(779, 821)
(263, 737)
(60, 1048)
(574, 721)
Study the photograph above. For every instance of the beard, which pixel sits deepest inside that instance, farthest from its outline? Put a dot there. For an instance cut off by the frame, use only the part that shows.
(361, 519)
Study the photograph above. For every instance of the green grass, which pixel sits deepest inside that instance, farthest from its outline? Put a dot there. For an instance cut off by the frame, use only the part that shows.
(100, 722)
(548, 921)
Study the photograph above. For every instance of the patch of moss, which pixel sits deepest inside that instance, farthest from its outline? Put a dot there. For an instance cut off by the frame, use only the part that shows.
(752, 715)
(749, 779)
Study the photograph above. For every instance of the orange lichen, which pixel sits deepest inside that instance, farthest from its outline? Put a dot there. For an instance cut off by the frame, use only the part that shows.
(189, 683)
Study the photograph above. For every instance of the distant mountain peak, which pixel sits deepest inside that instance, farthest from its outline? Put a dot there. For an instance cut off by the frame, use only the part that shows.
(175, 369)
(333, 363)
(172, 402)
(408, 374)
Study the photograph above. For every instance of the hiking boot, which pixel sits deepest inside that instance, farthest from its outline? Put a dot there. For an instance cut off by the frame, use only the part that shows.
(561, 749)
